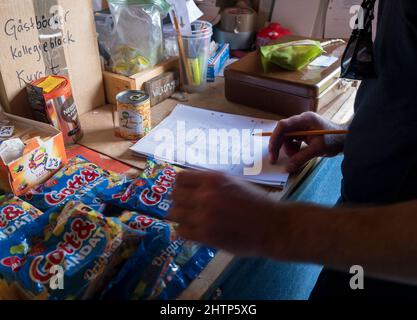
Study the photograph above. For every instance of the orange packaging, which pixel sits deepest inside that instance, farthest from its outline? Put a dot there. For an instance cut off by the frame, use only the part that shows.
(31, 169)
(52, 102)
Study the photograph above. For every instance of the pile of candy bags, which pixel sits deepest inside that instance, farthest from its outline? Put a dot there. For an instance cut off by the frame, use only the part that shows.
(88, 233)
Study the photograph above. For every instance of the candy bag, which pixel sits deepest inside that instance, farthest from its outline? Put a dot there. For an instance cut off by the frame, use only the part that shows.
(67, 255)
(167, 268)
(150, 193)
(77, 179)
(15, 214)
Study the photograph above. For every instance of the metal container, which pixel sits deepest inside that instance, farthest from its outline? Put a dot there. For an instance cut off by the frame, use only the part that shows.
(238, 20)
(237, 41)
(237, 27)
(52, 102)
(134, 114)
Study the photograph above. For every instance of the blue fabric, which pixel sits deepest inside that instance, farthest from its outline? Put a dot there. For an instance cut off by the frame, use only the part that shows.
(261, 279)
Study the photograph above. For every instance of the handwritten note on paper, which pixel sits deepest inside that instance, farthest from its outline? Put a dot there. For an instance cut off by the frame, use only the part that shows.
(209, 140)
(39, 38)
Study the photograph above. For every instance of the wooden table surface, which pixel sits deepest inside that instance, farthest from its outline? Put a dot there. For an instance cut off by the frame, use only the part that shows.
(99, 136)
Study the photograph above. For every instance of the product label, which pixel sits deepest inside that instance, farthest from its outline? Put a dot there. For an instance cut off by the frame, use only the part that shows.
(131, 123)
(69, 111)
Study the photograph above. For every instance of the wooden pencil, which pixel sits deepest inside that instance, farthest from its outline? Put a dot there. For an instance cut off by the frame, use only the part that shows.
(306, 133)
(181, 48)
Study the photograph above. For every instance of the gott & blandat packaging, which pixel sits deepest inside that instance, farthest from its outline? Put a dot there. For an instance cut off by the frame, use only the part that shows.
(15, 215)
(76, 251)
(163, 267)
(79, 178)
(150, 192)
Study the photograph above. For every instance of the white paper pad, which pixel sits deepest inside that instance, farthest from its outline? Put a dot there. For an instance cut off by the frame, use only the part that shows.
(245, 151)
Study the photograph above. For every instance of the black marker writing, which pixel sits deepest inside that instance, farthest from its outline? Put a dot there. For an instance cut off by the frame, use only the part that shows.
(15, 27)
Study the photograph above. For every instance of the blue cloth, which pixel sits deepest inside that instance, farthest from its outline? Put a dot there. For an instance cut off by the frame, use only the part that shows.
(261, 279)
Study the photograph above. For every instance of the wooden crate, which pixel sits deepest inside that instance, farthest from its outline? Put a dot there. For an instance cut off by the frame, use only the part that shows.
(115, 83)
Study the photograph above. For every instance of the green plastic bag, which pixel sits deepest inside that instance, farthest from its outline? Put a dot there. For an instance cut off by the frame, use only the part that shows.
(292, 56)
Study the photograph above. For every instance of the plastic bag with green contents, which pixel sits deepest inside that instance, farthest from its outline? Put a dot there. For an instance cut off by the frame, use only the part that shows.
(292, 56)
(136, 41)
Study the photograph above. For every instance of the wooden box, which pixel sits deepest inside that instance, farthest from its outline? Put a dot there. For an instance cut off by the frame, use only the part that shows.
(115, 83)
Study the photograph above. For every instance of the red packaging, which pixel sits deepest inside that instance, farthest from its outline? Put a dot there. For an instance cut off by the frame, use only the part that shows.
(272, 32)
(52, 102)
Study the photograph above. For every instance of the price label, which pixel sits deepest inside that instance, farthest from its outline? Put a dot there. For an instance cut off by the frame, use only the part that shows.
(6, 131)
(53, 163)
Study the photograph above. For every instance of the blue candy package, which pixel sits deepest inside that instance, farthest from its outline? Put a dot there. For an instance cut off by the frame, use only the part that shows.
(67, 255)
(163, 267)
(150, 192)
(15, 215)
(78, 178)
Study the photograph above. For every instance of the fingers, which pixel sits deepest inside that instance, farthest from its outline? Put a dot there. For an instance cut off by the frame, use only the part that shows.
(187, 179)
(181, 196)
(291, 147)
(191, 195)
(298, 160)
(276, 140)
(296, 123)
(184, 217)
(191, 233)
(177, 214)
(194, 179)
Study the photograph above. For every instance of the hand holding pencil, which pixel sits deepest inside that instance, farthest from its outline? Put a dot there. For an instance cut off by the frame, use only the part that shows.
(323, 138)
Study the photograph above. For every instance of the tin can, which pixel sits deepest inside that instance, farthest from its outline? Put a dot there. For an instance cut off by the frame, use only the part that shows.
(52, 102)
(134, 114)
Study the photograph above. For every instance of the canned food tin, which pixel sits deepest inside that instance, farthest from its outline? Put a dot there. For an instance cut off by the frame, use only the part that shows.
(52, 102)
(134, 113)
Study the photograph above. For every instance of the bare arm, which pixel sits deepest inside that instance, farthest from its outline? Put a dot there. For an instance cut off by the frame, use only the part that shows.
(381, 239)
(226, 213)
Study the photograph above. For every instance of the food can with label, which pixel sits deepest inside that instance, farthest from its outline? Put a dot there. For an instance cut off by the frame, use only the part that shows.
(52, 102)
(134, 114)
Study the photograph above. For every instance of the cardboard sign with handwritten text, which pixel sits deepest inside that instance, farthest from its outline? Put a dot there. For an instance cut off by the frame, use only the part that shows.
(43, 37)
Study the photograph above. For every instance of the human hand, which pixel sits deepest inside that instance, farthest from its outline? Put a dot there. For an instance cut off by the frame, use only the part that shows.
(317, 146)
(225, 212)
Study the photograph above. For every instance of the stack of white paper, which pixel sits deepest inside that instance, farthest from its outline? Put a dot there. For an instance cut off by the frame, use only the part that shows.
(207, 140)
